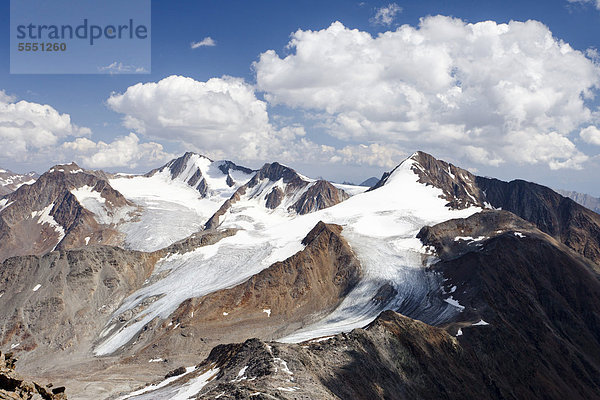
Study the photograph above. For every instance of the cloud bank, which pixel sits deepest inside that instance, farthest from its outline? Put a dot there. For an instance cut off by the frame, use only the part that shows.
(491, 93)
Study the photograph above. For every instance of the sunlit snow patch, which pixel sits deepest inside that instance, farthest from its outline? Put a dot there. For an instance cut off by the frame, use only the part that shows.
(44, 217)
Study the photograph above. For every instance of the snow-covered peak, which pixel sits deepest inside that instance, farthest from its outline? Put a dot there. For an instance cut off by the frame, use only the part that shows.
(459, 186)
(203, 174)
(278, 189)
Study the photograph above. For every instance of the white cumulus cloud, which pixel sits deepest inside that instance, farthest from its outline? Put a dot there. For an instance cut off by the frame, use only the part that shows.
(386, 15)
(126, 151)
(221, 117)
(206, 42)
(591, 135)
(28, 128)
(488, 92)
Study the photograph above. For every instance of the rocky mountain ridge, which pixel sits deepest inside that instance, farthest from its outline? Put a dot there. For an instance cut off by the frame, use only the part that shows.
(11, 181)
(66, 207)
(495, 266)
(280, 187)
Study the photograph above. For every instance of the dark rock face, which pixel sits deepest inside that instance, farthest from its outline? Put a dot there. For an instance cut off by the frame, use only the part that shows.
(275, 172)
(542, 301)
(459, 236)
(12, 387)
(193, 242)
(227, 166)
(274, 198)
(214, 221)
(313, 197)
(175, 372)
(372, 181)
(319, 196)
(20, 234)
(183, 164)
(558, 216)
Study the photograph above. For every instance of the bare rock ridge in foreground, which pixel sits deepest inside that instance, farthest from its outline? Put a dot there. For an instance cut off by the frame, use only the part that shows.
(13, 387)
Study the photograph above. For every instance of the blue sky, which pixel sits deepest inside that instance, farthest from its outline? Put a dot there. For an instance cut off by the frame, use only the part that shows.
(243, 30)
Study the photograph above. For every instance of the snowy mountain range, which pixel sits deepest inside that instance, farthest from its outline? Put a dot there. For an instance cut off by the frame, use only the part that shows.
(11, 181)
(398, 289)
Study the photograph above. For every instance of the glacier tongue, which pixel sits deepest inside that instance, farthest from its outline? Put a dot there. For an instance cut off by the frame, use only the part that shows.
(380, 225)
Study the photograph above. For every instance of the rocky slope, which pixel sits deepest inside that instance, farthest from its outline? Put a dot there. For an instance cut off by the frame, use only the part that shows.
(13, 387)
(537, 296)
(558, 216)
(58, 303)
(65, 208)
(11, 181)
(54, 308)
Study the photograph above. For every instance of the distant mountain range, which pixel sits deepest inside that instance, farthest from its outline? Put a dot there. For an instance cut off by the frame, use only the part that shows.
(11, 181)
(591, 202)
(213, 280)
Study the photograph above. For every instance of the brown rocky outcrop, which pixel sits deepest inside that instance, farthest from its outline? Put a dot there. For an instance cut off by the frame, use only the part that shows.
(20, 230)
(319, 196)
(278, 300)
(12, 387)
